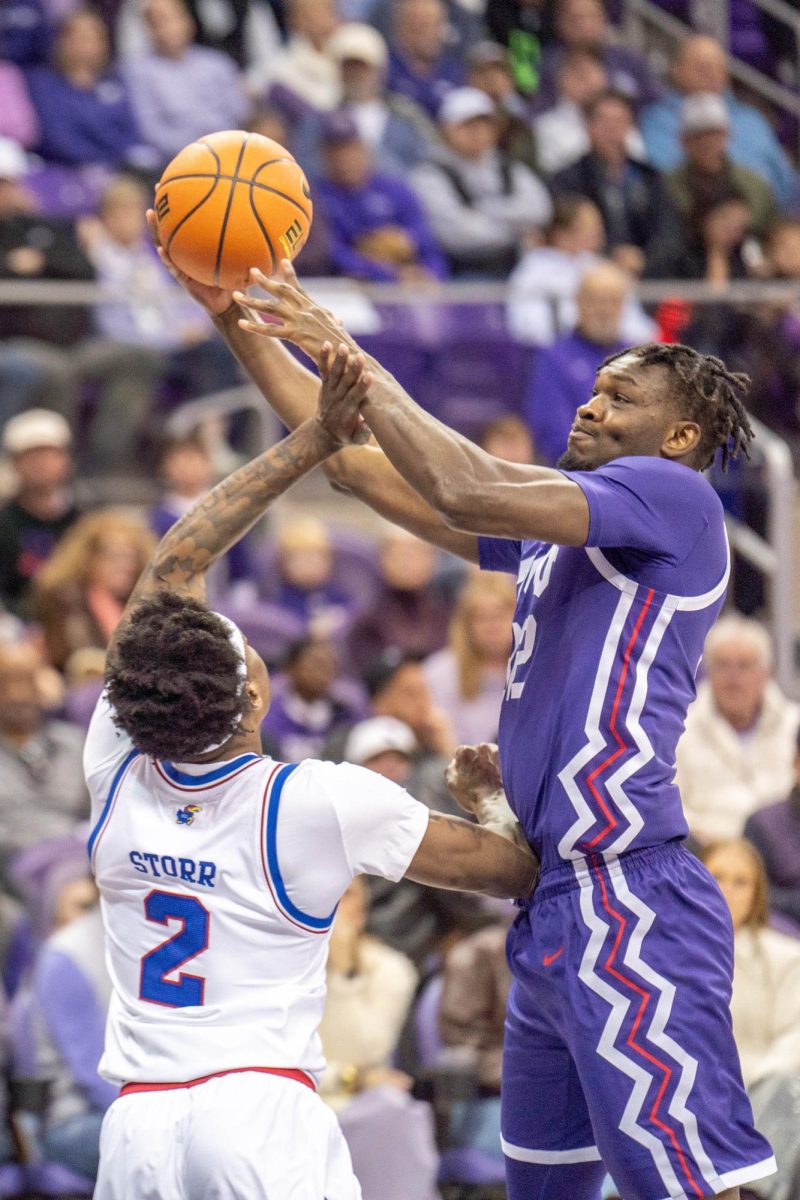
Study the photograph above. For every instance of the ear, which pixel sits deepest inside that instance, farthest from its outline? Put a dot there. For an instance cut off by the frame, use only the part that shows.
(681, 439)
(254, 695)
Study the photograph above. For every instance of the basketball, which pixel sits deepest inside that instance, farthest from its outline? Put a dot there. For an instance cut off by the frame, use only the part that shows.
(229, 202)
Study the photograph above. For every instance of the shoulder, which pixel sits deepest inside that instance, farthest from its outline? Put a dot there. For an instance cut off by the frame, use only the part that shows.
(780, 950)
(65, 735)
(685, 486)
(389, 964)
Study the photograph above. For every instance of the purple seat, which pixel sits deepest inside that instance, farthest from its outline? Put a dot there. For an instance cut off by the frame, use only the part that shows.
(269, 628)
(81, 701)
(54, 1179)
(12, 1180)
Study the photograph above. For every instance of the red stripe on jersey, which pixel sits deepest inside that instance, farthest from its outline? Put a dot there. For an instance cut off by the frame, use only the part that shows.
(205, 787)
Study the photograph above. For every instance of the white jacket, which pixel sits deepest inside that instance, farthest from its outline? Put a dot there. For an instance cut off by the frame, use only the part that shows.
(724, 778)
(766, 1003)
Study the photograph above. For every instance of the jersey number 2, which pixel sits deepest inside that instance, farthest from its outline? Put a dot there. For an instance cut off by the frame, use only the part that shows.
(524, 637)
(190, 940)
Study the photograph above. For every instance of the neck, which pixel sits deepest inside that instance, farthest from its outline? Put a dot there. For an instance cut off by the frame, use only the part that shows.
(742, 722)
(18, 737)
(45, 503)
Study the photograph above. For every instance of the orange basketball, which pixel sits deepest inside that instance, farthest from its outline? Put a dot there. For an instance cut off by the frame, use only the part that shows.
(229, 202)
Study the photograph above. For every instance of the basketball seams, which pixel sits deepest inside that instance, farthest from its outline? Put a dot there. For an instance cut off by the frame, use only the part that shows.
(263, 229)
(228, 207)
(219, 175)
(191, 213)
(277, 192)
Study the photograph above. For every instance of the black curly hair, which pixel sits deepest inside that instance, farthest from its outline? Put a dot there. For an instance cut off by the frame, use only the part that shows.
(174, 678)
(705, 391)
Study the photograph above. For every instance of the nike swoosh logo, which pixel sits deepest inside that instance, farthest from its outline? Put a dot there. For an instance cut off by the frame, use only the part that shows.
(549, 959)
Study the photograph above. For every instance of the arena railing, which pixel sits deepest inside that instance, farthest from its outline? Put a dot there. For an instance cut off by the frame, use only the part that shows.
(363, 309)
(643, 17)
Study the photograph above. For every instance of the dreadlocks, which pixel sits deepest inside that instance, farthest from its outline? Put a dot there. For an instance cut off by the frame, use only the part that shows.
(173, 680)
(705, 392)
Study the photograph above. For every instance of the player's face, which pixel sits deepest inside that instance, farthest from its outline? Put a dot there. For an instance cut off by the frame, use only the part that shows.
(625, 415)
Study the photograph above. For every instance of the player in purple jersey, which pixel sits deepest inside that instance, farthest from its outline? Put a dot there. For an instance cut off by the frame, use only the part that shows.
(619, 1050)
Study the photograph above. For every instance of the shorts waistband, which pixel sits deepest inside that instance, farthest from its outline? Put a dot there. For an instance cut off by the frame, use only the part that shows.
(572, 874)
(130, 1089)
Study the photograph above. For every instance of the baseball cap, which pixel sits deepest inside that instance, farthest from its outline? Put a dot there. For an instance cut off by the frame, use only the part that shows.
(465, 104)
(13, 163)
(34, 429)
(360, 42)
(377, 735)
(703, 112)
(339, 127)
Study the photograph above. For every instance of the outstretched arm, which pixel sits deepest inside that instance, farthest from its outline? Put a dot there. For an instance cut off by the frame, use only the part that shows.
(231, 509)
(470, 490)
(291, 390)
(458, 855)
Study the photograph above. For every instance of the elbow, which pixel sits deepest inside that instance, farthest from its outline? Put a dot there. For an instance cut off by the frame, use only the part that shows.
(457, 503)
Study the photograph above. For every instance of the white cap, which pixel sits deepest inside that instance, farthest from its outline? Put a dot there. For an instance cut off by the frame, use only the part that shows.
(13, 163)
(360, 42)
(465, 104)
(377, 735)
(35, 429)
(703, 112)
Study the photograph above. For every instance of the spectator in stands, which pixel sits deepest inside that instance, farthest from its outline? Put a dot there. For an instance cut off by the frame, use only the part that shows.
(306, 585)
(43, 508)
(509, 438)
(153, 319)
(468, 677)
(560, 129)
(481, 204)
(637, 212)
(180, 90)
(304, 76)
(716, 244)
(417, 920)
(84, 111)
(25, 34)
(477, 983)
(700, 66)
(708, 171)
(489, 70)
(69, 997)
(395, 129)
(54, 878)
(187, 473)
(18, 119)
(409, 613)
(247, 31)
(525, 27)
(544, 285)
(775, 833)
(377, 226)
(737, 752)
(42, 789)
(563, 373)
(583, 25)
(370, 990)
(420, 64)
(309, 703)
(82, 590)
(398, 688)
(765, 1008)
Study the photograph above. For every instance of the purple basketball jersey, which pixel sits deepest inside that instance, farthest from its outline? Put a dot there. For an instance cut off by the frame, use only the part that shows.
(608, 638)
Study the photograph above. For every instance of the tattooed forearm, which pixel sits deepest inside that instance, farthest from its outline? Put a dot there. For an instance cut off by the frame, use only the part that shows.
(460, 855)
(233, 507)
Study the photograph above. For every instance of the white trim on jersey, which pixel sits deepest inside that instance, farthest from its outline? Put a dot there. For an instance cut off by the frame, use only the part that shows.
(759, 1170)
(581, 1154)
(684, 603)
(657, 1031)
(619, 1008)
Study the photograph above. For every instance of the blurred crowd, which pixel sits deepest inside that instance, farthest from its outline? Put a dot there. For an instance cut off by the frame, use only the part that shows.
(519, 141)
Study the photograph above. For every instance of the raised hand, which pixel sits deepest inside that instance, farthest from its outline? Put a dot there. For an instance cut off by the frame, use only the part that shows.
(291, 314)
(472, 774)
(215, 300)
(345, 383)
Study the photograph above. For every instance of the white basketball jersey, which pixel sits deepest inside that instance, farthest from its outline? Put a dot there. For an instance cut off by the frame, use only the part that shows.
(218, 889)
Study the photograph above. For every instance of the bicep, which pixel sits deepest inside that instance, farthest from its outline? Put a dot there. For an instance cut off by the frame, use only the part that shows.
(529, 504)
(459, 855)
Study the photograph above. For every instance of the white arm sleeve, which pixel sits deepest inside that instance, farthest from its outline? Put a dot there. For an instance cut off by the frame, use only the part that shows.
(337, 822)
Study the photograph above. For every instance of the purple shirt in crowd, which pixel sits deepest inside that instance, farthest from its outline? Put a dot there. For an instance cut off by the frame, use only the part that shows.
(381, 201)
(81, 126)
(561, 381)
(608, 638)
(427, 91)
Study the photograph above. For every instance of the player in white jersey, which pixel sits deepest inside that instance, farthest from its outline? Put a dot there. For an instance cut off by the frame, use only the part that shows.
(220, 871)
